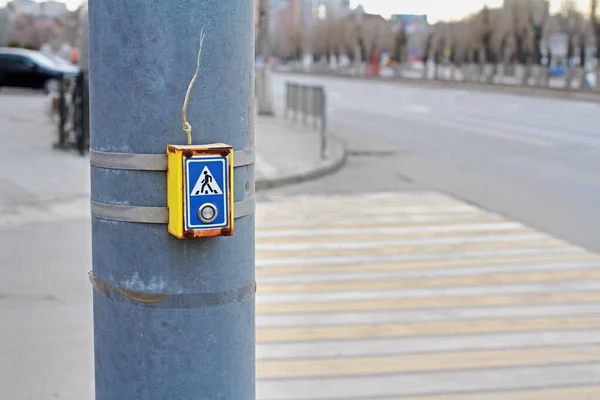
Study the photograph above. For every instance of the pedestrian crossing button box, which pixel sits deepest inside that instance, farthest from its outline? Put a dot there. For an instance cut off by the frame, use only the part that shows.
(200, 190)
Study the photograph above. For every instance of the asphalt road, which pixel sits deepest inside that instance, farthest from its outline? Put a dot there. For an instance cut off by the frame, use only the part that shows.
(532, 159)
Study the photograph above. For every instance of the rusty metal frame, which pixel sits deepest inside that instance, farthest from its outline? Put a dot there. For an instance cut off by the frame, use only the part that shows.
(154, 215)
(153, 162)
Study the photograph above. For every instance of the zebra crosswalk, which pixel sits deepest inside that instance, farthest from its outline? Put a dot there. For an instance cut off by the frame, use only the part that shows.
(420, 296)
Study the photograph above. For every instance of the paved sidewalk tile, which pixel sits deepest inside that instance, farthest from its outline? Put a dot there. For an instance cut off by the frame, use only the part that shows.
(31, 171)
(285, 148)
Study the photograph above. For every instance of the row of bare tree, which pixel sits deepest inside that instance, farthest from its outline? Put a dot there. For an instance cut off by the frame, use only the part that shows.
(520, 33)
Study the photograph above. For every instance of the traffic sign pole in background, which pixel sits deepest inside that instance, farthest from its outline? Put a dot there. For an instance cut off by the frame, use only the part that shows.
(173, 319)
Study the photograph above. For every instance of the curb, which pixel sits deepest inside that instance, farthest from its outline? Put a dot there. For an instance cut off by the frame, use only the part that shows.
(577, 95)
(331, 165)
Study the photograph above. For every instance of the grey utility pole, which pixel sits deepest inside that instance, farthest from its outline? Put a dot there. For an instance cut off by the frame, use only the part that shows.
(173, 319)
(263, 78)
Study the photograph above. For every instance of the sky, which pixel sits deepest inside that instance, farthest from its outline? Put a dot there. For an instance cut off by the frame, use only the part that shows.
(435, 9)
(71, 4)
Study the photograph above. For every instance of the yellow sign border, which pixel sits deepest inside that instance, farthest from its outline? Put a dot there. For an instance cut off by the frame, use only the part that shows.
(176, 186)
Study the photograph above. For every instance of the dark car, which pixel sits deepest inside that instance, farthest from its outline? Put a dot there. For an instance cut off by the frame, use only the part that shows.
(32, 69)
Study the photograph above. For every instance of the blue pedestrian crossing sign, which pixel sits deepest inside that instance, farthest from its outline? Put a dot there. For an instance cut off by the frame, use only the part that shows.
(205, 177)
(207, 198)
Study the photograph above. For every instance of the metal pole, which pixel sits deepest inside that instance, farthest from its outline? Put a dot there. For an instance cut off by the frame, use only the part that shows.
(173, 319)
(287, 99)
(295, 100)
(315, 106)
(323, 124)
(299, 100)
(62, 113)
(305, 103)
(265, 97)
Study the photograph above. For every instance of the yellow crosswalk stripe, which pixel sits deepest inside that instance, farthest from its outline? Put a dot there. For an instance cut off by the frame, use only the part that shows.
(525, 299)
(307, 260)
(349, 227)
(412, 363)
(346, 332)
(410, 249)
(496, 279)
(332, 205)
(401, 266)
(559, 393)
(412, 235)
(391, 212)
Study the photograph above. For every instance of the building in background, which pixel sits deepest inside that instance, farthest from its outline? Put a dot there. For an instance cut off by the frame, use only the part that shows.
(47, 9)
(331, 9)
(302, 15)
(53, 9)
(286, 14)
(415, 29)
(31, 24)
(307, 14)
(28, 7)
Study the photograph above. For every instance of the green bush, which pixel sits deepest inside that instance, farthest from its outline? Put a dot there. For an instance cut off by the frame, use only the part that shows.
(14, 43)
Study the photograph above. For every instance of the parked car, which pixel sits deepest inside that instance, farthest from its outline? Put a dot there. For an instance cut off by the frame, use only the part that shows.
(32, 69)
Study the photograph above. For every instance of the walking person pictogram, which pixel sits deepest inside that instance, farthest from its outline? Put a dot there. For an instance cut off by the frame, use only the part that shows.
(206, 183)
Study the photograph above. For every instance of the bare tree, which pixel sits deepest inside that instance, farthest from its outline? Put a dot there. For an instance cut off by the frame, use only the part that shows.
(463, 46)
(500, 41)
(400, 42)
(475, 51)
(34, 32)
(519, 12)
(538, 15)
(440, 41)
(378, 34)
(596, 31)
(264, 99)
(295, 39)
(427, 48)
(486, 35)
(484, 25)
(349, 39)
(328, 38)
(538, 12)
(573, 25)
(452, 48)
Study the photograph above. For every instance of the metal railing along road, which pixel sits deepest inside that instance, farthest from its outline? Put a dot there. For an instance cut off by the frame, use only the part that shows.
(73, 114)
(308, 102)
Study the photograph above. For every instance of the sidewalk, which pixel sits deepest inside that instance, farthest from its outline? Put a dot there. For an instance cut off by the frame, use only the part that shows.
(289, 152)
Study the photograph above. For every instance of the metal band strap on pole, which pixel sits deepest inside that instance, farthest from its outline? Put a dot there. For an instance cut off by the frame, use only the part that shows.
(159, 300)
(154, 215)
(153, 162)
